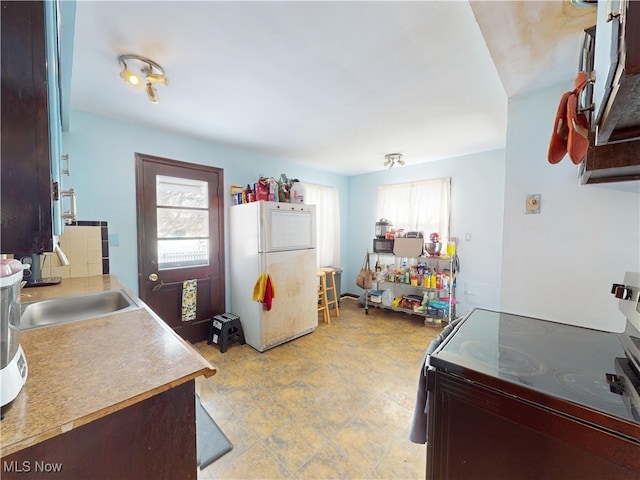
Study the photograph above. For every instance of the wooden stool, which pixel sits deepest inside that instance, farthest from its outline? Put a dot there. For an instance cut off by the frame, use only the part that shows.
(322, 296)
(331, 289)
(225, 328)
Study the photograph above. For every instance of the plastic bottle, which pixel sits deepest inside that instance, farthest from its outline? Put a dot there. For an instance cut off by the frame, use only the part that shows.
(387, 298)
(425, 299)
(433, 280)
(250, 195)
(298, 192)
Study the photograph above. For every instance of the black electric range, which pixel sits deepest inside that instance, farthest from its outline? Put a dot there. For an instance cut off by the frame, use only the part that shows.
(562, 400)
(572, 369)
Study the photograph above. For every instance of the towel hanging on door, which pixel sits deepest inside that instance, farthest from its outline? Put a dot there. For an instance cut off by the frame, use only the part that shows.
(189, 299)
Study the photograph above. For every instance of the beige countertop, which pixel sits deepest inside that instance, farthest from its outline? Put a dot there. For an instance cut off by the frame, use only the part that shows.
(85, 370)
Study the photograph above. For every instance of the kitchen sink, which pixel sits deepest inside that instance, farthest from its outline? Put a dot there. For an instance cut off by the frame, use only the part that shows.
(71, 309)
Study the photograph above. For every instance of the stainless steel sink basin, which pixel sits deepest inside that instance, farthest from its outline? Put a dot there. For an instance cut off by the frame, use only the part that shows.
(78, 307)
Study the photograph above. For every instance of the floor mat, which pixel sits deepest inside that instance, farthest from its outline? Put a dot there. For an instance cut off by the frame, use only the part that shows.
(211, 442)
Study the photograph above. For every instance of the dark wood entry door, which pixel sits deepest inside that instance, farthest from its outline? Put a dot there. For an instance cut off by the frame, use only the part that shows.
(180, 212)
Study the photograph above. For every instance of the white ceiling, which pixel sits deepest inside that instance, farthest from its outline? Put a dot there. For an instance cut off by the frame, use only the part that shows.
(332, 85)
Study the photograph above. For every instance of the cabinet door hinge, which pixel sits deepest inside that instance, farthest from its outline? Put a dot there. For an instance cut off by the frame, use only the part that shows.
(55, 192)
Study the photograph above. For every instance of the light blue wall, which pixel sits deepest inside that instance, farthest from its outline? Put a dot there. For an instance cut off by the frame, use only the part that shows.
(560, 264)
(477, 194)
(103, 174)
(102, 155)
(557, 265)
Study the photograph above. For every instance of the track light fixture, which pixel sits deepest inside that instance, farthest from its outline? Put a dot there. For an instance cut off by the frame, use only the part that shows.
(129, 77)
(392, 159)
(150, 73)
(152, 93)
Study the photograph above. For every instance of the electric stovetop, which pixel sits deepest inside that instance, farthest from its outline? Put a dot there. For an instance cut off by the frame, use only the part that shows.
(539, 357)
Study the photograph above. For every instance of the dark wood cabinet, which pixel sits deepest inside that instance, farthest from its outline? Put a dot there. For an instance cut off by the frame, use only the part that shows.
(478, 432)
(26, 188)
(619, 119)
(612, 162)
(154, 438)
(614, 153)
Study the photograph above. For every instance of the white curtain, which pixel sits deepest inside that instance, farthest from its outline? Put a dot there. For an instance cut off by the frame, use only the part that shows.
(417, 206)
(327, 205)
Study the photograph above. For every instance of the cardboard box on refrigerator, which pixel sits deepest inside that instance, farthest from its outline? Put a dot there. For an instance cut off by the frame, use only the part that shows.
(408, 247)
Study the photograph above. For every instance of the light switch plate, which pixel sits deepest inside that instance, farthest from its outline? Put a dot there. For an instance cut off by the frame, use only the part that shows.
(532, 203)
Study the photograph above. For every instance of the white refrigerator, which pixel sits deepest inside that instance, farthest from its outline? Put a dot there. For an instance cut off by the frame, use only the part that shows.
(277, 239)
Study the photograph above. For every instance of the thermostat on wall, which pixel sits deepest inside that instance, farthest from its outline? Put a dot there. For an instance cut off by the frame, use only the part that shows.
(532, 204)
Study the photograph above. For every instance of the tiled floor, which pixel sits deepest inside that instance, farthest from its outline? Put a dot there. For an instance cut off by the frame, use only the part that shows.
(336, 403)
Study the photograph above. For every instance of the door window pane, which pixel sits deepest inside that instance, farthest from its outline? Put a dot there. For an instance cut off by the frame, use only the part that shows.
(182, 253)
(180, 192)
(182, 221)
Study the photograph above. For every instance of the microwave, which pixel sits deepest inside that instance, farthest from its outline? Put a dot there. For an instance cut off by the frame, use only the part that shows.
(382, 245)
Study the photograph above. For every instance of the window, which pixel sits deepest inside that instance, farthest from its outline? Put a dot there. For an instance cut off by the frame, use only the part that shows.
(417, 206)
(183, 222)
(327, 205)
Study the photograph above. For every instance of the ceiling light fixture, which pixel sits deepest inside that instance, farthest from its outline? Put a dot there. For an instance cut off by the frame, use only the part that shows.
(150, 72)
(393, 159)
(129, 77)
(152, 93)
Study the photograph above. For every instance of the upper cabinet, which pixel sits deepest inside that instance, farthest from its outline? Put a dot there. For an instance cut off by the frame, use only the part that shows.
(614, 153)
(53, 101)
(617, 66)
(31, 125)
(26, 189)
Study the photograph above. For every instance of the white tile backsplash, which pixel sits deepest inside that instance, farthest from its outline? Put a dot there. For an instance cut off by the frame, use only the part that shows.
(84, 249)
